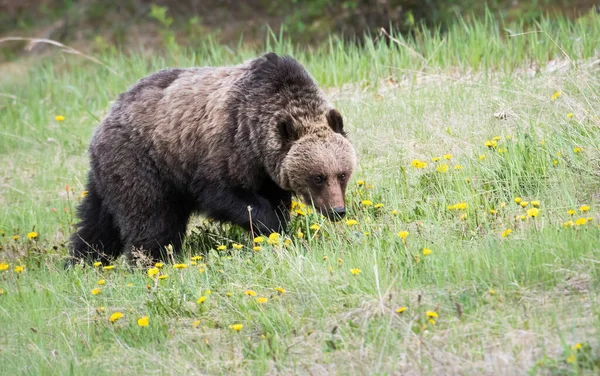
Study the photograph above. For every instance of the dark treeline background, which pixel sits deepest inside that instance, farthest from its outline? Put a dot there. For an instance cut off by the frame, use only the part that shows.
(150, 23)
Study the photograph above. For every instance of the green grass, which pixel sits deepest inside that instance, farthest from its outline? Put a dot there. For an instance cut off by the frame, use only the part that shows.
(505, 305)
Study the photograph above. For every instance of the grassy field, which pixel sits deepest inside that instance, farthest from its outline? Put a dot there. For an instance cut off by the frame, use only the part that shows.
(471, 247)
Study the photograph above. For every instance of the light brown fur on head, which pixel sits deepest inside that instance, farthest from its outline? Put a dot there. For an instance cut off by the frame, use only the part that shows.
(319, 164)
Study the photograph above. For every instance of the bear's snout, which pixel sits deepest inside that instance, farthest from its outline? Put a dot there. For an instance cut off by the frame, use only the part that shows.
(335, 214)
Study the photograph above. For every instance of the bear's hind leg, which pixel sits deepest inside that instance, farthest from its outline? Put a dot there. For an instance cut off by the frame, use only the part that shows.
(151, 234)
(97, 237)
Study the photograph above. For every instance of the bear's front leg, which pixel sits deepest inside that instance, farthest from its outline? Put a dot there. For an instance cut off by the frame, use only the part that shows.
(231, 205)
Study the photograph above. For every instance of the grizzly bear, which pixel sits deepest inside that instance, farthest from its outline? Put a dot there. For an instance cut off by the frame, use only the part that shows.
(231, 143)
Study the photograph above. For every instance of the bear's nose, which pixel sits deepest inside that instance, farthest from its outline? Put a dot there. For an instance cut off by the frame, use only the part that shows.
(337, 213)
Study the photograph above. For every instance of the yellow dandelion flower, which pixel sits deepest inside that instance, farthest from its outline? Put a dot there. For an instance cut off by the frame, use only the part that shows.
(590, 219)
(448, 156)
(581, 221)
(3, 266)
(571, 358)
(418, 164)
(16, 237)
(435, 159)
(443, 168)
(351, 222)
(59, 118)
(97, 264)
(461, 206)
(535, 204)
(164, 276)
(569, 224)
(492, 211)
(492, 292)
(506, 232)
(360, 182)
(19, 268)
(261, 300)
(556, 95)
(130, 284)
(431, 314)
(577, 150)
(32, 235)
(250, 292)
(101, 282)
(236, 327)
(201, 299)
(143, 321)
(533, 212)
(522, 217)
(432, 321)
(555, 162)
(339, 260)
(366, 202)
(279, 290)
(300, 234)
(401, 309)
(378, 206)
(108, 267)
(518, 200)
(355, 271)
(152, 272)
(426, 251)
(96, 291)
(159, 265)
(584, 208)
(482, 157)
(576, 346)
(228, 293)
(196, 324)
(403, 234)
(570, 115)
(463, 216)
(256, 248)
(259, 239)
(115, 316)
(571, 212)
(496, 138)
(300, 212)
(315, 227)
(325, 258)
(394, 212)
(221, 247)
(524, 203)
(237, 246)
(180, 266)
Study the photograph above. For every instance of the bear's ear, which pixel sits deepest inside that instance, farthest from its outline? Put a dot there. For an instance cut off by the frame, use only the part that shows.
(335, 121)
(285, 126)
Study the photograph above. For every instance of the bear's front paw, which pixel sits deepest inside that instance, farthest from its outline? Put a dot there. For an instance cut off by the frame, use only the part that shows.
(265, 219)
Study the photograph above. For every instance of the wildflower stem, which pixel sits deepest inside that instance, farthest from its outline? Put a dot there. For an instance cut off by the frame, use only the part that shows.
(250, 218)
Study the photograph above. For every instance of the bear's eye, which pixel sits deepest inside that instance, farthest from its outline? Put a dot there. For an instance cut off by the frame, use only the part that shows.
(319, 179)
(342, 177)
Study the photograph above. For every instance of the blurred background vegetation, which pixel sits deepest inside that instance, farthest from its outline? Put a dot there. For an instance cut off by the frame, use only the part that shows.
(131, 25)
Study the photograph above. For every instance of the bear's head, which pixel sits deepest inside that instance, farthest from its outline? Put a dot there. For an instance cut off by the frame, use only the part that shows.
(319, 162)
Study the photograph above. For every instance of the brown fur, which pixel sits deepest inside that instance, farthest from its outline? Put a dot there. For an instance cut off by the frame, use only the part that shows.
(212, 140)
